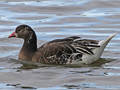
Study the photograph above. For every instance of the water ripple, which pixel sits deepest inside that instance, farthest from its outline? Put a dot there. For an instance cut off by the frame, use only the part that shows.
(48, 3)
(54, 19)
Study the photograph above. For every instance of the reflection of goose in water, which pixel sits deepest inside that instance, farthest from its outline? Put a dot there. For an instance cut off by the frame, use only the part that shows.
(70, 50)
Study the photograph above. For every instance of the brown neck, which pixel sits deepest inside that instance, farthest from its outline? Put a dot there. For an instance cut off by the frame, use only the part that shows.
(28, 49)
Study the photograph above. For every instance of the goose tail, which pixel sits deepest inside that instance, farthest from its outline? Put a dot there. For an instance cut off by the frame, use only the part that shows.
(103, 43)
(97, 51)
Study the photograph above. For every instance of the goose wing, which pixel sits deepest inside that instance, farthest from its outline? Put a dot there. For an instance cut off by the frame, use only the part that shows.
(60, 50)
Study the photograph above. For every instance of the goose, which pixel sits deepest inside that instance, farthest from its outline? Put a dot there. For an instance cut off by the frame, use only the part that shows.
(69, 50)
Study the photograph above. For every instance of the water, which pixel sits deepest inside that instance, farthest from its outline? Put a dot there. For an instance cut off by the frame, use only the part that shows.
(52, 19)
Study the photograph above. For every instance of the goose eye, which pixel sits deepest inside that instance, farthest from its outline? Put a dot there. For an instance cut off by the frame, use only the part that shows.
(19, 29)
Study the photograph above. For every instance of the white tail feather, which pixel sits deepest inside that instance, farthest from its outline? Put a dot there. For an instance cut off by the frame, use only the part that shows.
(87, 59)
